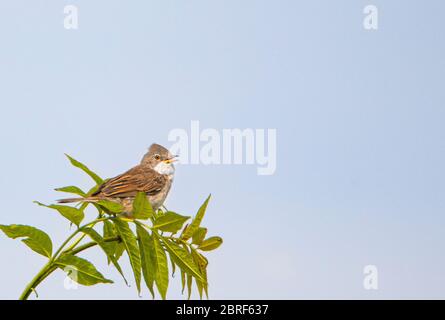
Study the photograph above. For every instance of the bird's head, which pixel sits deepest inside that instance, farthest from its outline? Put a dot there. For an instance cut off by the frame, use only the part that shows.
(159, 159)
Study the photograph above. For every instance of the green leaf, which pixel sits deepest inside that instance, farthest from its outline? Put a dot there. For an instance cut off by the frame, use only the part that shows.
(202, 263)
(141, 207)
(111, 206)
(109, 232)
(189, 279)
(72, 189)
(173, 264)
(190, 230)
(104, 245)
(189, 286)
(108, 229)
(89, 193)
(83, 206)
(36, 239)
(95, 188)
(146, 248)
(72, 214)
(182, 281)
(200, 288)
(181, 257)
(210, 244)
(80, 270)
(131, 246)
(161, 278)
(120, 249)
(83, 167)
(199, 235)
(170, 222)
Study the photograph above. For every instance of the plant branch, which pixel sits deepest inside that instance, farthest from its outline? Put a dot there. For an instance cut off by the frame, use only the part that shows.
(49, 267)
(31, 286)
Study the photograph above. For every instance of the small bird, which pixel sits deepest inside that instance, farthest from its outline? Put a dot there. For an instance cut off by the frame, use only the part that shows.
(154, 176)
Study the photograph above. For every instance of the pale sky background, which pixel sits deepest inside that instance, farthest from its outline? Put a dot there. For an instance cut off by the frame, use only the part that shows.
(359, 116)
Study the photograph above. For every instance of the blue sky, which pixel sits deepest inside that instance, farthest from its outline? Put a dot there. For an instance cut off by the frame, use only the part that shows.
(360, 137)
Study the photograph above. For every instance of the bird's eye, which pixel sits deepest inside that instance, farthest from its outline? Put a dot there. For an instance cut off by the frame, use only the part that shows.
(157, 156)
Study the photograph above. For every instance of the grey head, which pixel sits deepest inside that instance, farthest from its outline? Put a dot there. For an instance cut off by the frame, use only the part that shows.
(158, 157)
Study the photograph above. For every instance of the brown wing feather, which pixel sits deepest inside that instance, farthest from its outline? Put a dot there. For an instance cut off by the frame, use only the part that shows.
(137, 179)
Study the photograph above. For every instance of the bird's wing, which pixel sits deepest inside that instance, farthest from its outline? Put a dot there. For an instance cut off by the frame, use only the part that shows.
(137, 179)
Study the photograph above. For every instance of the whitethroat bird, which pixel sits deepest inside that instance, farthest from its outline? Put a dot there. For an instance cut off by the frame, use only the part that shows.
(153, 176)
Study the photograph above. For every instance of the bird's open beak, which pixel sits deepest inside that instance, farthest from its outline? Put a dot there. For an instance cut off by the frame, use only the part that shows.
(172, 159)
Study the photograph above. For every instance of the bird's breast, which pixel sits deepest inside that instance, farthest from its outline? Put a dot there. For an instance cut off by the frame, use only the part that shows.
(158, 199)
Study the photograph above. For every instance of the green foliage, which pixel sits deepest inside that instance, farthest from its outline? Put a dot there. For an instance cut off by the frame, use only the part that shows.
(131, 246)
(189, 286)
(146, 247)
(181, 257)
(141, 207)
(80, 270)
(147, 237)
(108, 250)
(72, 189)
(110, 206)
(161, 273)
(36, 239)
(85, 169)
(202, 263)
(109, 232)
(170, 222)
(72, 214)
(210, 244)
(190, 230)
(199, 235)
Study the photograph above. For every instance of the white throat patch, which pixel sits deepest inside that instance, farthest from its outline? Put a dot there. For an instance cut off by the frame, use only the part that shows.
(165, 168)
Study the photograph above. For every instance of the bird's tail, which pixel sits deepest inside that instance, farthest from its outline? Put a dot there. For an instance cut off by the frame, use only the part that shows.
(73, 200)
